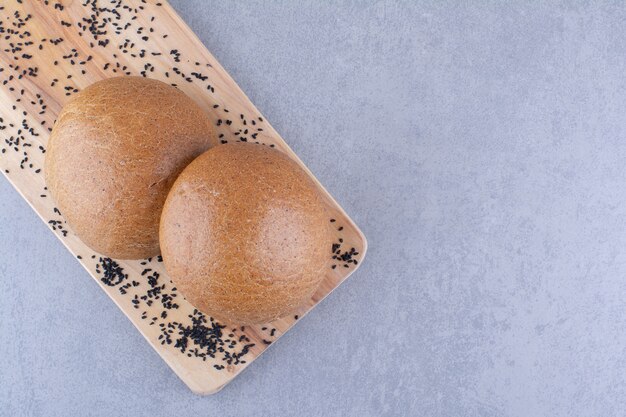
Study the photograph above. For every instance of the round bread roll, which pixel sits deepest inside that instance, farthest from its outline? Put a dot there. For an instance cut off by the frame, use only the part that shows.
(114, 152)
(244, 234)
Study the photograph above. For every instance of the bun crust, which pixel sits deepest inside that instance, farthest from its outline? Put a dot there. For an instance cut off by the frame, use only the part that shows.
(245, 234)
(114, 152)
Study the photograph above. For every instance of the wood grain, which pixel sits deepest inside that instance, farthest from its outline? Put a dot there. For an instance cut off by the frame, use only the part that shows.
(49, 50)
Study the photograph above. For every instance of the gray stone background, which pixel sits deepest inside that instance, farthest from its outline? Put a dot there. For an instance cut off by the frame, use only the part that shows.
(481, 148)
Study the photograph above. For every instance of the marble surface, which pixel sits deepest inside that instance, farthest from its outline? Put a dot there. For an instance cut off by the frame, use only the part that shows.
(482, 150)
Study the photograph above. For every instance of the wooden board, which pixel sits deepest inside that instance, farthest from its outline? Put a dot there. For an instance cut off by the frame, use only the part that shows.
(49, 50)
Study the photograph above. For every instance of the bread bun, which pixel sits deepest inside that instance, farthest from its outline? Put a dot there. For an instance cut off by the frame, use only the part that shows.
(114, 152)
(244, 234)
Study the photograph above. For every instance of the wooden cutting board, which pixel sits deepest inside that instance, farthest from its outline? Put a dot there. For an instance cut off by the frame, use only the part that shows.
(50, 50)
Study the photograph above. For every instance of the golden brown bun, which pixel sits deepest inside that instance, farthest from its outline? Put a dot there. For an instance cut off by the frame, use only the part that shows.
(113, 155)
(244, 234)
